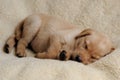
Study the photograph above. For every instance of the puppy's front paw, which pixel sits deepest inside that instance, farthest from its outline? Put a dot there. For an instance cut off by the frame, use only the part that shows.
(20, 53)
(62, 55)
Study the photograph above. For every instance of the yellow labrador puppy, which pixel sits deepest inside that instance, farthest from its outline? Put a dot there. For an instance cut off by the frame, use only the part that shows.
(53, 38)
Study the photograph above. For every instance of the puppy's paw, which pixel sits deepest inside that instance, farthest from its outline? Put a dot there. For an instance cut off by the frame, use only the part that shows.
(62, 55)
(20, 53)
(6, 48)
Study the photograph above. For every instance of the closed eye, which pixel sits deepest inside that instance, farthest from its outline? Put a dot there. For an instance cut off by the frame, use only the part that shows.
(105, 55)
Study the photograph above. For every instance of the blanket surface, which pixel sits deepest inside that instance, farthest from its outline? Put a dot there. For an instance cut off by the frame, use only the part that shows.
(102, 15)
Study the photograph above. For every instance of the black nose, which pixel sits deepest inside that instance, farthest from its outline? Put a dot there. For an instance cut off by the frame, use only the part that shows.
(62, 55)
(77, 58)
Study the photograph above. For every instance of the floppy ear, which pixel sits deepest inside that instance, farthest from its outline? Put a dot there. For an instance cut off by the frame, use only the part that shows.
(85, 32)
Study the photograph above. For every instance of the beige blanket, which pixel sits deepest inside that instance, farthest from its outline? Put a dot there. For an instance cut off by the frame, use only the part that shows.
(102, 15)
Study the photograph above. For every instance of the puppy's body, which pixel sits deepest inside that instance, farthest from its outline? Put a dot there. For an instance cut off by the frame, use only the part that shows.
(53, 28)
(53, 38)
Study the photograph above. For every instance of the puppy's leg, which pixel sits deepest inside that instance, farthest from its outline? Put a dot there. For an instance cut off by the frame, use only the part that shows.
(20, 51)
(53, 55)
(12, 39)
(30, 29)
(9, 44)
(18, 30)
(53, 50)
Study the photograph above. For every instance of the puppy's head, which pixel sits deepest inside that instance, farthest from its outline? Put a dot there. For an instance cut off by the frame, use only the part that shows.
(91, 45)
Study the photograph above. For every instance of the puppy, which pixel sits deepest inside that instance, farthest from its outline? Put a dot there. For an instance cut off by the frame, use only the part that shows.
(53, 38)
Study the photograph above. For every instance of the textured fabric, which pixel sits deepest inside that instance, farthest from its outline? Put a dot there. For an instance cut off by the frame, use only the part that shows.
(102, 15)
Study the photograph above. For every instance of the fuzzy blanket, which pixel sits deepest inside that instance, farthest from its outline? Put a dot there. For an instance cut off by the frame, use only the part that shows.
(102, 15)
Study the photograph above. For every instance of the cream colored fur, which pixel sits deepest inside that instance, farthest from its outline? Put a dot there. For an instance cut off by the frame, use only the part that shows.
(101, 15)
(52, 38)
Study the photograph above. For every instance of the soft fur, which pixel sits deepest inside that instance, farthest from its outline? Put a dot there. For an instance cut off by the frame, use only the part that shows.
(53, 38)
(100, 15)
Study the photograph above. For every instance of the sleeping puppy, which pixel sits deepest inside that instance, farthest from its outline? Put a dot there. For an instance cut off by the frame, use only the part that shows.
(53, 38)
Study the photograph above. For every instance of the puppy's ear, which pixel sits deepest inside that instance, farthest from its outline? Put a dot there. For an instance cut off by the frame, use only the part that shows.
(84, 33)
